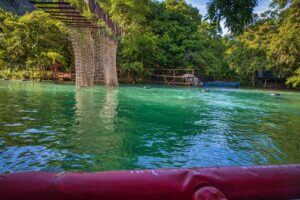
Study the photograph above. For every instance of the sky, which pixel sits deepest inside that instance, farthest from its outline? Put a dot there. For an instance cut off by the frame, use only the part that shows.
(263, 5)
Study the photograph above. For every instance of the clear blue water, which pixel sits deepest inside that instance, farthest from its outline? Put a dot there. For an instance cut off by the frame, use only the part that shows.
(51, 127)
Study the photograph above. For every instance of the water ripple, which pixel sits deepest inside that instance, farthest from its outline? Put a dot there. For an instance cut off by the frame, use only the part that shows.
(46, 127)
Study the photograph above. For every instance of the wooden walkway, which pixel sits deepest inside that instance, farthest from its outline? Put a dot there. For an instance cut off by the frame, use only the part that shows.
(175, 76)
(66, 13)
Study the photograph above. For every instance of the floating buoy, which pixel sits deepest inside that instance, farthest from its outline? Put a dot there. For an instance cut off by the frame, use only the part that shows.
(205, 90)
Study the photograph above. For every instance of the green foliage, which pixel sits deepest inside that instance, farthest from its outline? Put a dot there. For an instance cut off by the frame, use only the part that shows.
(34, 40)
(44, 59)
(284, 47)
(245, 60)
(295, 79)
(24, 74)
(237, 13)
(129, 13)
(271, 43)
(175, 24)
(173, 36)
(10, 74)
(211, 52)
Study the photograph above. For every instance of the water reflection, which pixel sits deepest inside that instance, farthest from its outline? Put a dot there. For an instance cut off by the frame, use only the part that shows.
(109, 110)
(96, 111)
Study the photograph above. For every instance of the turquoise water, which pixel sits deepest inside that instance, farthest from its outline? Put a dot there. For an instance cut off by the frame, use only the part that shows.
(49, 127)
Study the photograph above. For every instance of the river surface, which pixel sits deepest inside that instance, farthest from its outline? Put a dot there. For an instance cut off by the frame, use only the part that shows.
(51, 127)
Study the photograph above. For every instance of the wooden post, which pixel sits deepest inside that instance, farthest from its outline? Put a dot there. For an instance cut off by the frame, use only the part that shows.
(265, 85)
(193, 72)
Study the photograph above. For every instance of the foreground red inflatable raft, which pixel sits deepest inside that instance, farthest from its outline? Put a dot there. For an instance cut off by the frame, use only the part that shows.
(263, 182)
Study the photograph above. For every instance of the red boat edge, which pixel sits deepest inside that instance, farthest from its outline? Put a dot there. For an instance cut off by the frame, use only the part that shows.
(257, 182)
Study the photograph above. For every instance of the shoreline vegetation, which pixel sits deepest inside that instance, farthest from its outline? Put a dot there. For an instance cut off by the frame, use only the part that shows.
(35, 75)
(148, 84)
(260, 49)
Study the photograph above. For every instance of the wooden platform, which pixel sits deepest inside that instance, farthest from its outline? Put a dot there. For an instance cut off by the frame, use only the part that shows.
(174, 76)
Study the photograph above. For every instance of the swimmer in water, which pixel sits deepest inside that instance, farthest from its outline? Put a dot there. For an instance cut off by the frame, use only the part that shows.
(275, 94)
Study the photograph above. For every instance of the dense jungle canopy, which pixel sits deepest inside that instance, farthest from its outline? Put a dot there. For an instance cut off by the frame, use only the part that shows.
(167, 34)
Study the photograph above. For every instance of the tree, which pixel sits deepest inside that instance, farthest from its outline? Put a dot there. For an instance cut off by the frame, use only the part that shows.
(176, 23)
(284, 48)
(237, 14)
(270, 43)
(32, 41)
(245, 60)
(295, 79)
(173, 36)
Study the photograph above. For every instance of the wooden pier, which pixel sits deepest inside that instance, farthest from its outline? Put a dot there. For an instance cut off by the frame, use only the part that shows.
(175, 76)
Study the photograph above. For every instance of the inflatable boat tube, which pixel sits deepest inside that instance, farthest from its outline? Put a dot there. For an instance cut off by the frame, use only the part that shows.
(262, 182)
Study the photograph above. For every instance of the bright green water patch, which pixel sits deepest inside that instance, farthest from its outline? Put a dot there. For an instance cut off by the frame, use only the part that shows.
(48, 127)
